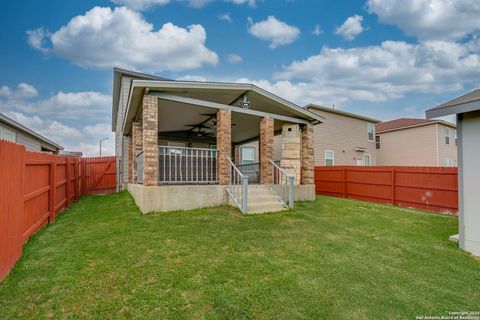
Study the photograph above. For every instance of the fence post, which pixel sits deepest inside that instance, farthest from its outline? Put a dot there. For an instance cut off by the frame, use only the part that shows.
(393, 186)
(76, 179)
(53, 189)
(244, 194)
(344, 183)
(67, 176)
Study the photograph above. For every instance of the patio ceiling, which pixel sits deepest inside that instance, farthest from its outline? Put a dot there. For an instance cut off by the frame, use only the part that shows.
(184, 104)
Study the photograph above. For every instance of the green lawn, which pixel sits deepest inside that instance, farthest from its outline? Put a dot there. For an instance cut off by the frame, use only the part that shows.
(332, 258)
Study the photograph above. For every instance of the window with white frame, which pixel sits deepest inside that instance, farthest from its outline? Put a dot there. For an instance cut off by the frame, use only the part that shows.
(8, 135)
(448, 162)
(367, 159)
(329, 158)
(247, 155)
(447, 135)
(371, 131)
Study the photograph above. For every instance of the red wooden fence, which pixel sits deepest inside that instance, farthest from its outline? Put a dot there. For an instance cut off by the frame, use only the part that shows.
(100, 175)
(426, 188)
(35, 188)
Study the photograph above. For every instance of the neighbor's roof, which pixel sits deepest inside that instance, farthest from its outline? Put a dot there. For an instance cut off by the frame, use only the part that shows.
(22, 128)
(340, 112)
(118, 73)
(404, 123)
(466, 103)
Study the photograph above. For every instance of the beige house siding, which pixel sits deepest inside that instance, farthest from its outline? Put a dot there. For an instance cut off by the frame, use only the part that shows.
(417, 146)
(446, 151)
(342, 134)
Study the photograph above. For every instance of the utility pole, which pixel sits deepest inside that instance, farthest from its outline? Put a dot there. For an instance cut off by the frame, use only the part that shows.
(101, 140)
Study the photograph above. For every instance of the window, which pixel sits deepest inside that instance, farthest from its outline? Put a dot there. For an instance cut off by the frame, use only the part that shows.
(247, 155)
(377, 142)
(367, 159)
(329, 158)
(371, 131)
(7, 135)
(213, 147)
(447, 135)
(448, 162)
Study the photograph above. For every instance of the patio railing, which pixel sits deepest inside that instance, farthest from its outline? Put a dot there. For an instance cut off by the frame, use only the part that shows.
(180, 165)
(283, 185)
(238, 187)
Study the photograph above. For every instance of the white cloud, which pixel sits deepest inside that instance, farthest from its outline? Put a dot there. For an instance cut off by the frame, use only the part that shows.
(351, 28)
(234, 58)
(317, 30)
(394, 70)
(104, 38)
(23, 91)
(225, 17)
(190, 77)
(277, 32)
(429, 19)
(140, 5)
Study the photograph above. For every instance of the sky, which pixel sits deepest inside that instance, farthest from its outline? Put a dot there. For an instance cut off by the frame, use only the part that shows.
(379, 58)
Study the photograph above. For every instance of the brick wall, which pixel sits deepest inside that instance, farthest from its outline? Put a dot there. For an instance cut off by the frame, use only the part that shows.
(150, 140)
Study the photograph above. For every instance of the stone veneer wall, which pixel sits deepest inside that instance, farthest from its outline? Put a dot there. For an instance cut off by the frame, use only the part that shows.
(150, 140)
(224, 145)
(291, 154)
(266, 149)
(137, 137)
(307, 155)
(130, 157)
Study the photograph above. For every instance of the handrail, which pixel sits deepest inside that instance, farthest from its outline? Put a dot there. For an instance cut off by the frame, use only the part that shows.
(238, 187)
(283, 185)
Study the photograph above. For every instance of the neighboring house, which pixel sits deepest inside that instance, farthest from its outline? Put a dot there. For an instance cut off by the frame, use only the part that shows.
(13, 131)
(467, 109)
(343, 138)
(416, 142)
(175, 141)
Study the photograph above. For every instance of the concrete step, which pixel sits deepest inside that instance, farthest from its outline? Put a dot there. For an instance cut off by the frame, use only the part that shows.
(265, 207)
(262, 198)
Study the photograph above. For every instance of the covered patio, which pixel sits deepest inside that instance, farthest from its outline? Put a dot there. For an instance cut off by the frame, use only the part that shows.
(184, 140)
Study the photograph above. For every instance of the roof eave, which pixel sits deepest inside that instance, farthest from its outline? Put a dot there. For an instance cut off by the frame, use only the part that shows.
(453, 109)
(341, 112)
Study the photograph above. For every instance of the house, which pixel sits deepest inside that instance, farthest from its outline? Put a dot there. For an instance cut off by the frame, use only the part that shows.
(13, 131)
(176, 140)
(416, 142)
(343, 138)
(467, 110)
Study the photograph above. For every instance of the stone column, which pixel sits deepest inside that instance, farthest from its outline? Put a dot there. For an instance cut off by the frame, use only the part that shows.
(308, 172)
(137, 137)
(224, 145)
(150, 140)
(291, 141)
(266, 149)
(130, 159)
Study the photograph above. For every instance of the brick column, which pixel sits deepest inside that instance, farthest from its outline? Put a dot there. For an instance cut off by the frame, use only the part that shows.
(307, 155)
(150, 140)
(266, 150)
(224, 145)
(291, 150)
(236, 155)
(130, 159)
(137, 137)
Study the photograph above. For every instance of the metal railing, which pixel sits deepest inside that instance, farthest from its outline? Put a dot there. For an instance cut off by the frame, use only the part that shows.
(180, 165)
(238, 187)
(283, 185)
(252, 170)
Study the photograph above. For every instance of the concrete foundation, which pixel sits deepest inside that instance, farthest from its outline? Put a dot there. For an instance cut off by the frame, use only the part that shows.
(188, 197)
(172, 198)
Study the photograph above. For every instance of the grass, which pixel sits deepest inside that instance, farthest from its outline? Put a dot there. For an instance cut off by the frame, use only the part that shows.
(331, 259)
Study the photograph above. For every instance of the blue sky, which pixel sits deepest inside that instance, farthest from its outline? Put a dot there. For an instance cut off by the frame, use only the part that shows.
(380, 58)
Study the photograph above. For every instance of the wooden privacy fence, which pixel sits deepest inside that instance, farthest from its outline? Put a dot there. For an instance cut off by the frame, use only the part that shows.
(426, 188)
(34, 189)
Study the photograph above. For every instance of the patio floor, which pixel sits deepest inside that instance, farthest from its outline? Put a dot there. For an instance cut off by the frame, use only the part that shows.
(331, 258)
